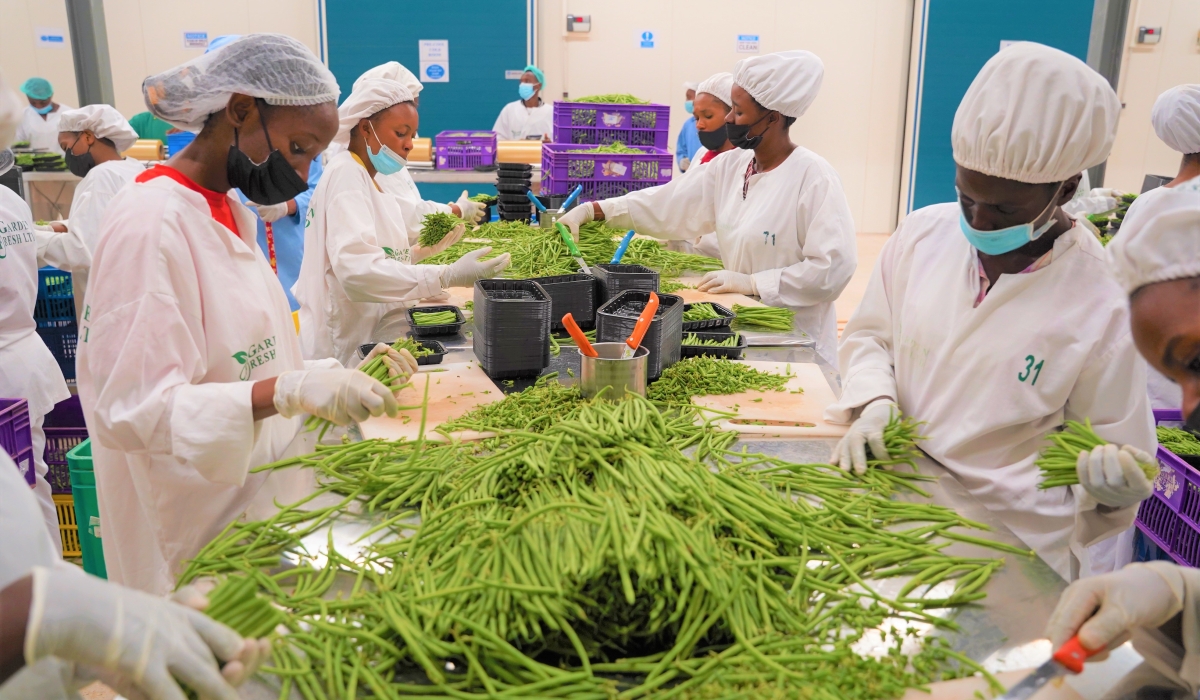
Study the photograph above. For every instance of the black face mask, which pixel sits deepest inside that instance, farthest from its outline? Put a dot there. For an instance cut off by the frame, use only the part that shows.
(739, 134)
(274, 181)
(79, 166)
(712, 140)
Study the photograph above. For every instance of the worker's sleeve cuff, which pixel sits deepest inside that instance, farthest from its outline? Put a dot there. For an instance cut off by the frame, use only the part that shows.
(429, 280)
(767, 284)
(860, 389)
(326, 363)
(213, 429)
(616, 212)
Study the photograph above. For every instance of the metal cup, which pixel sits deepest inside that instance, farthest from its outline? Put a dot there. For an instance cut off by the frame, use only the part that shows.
(546, 219)
(611, 373)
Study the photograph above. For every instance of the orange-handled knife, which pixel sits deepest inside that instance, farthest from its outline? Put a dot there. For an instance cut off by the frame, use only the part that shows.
(634, 341)
(581, 340)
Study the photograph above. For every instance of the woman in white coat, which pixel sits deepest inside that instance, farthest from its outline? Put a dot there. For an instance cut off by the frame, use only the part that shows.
(190, 371)
(359, 272)
(780, 215)
(995, 319)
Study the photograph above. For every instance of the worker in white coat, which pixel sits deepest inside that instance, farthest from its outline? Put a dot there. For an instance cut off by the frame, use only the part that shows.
(714, 99)
(779, 212)
(400, 184)
(529, 117)
(93, 139)
(27, 369)
(995, 319)
(39, 122)
(190, 371)
(359, 272)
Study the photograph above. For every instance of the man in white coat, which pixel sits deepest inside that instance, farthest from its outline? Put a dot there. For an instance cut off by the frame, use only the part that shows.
(39, 121)
(995, 319)
(781, 218)
(190, 371)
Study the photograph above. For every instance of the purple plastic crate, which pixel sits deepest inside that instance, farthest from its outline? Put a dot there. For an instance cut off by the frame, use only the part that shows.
(603, 175)
(64, 428)
(600, 124)
(15, 436)
(1170, 518)
(464, 150)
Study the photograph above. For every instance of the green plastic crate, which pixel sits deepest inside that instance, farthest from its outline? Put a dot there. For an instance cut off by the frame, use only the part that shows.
(87, 508)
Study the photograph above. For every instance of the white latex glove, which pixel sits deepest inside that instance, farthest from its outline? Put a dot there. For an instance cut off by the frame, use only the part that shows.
(577, 217)
(1090, 204)
(851, 451)
(1137, 596)
(464, 271)
(684, 164)
(1112, 476)
(468, 210)
(337, 395)
(420, 252)
(270, 213)
(727, 282)
(254, 651)
(145, 640)
(400, 363)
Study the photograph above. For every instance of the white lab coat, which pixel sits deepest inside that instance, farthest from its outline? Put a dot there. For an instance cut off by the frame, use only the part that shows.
(793, 231)
(991, 382)
(184, 317)
(412, 207)
(27, 369)
(357, 276)
(40, 131)
(516, 122)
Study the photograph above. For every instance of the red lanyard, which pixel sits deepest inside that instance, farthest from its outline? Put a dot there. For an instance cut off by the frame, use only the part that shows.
(271, 247)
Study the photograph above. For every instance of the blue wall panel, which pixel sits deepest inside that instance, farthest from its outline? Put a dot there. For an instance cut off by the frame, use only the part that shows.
(961, 35)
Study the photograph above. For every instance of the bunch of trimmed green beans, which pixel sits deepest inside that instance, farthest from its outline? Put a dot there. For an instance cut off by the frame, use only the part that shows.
(612, 98)
(235, 603)
(1181, 442)
(701, 311)
(770, 317)
(627, 553)
(702, 376)
(727, 342)
(436, 226)
(375, 369)
(434, 318)
(1058, 461)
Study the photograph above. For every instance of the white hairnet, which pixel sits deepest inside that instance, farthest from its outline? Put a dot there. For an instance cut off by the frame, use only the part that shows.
(369, 98)
(1176, 118)
(1035, 114)
(392, 71)
(786, 82)
(690, 85)
(274, 67)
(719, 86)
(102, 120)
(7, 159)
(1160, 241)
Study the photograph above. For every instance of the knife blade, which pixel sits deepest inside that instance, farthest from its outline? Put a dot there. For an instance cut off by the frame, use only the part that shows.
(572, 248)
(1067, 660)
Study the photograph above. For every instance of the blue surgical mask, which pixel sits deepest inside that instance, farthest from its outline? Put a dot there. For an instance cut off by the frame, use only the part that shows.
(687, 106)
(45, 110)
(526, 90)
(1006, 240)
(385, 160)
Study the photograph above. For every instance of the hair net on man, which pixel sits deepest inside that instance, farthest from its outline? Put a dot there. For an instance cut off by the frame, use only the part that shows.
(37, 88)
(1035, 114)
(273, 67)
(392, 71)
(1176, 118)
(786, 82)
(369, 98)
(537, 73)
(220, 41)
(1161, 241)
(719, 86)
(102, 120)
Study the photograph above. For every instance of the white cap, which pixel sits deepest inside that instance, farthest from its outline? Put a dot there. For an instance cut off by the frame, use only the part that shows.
(392, 71)
(690, 85)
(786, 82)
(370, 97)
(102, 120)
(273, 67)
(1176, 118)
(1035, 114)
(719, 86)
(1160, 240)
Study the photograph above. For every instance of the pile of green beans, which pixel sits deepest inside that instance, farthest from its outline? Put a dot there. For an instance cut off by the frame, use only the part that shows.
(532, 410)
(436, 226)
(614, 147)
(484, 198)
(434, 318)
(1179, 441)
(770, 317)
(667, 286)
(701, 311)
(1059, 460)
(612, 98)
(693, 339)
(235, 603)
(702, 376)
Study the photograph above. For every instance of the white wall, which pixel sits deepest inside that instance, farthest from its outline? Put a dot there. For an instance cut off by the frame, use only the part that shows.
(856, 123)
(21, 57)
(1146, 71)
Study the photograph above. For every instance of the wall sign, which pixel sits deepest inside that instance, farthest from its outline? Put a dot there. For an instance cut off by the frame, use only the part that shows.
(646, 39)
(747, 43)
(49, 38)
(195, 40)
(434, 57)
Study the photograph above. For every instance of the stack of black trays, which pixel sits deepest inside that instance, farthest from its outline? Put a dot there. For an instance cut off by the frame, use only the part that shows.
(571, 294)
(513, 183)
(512, 328)
(615, 321)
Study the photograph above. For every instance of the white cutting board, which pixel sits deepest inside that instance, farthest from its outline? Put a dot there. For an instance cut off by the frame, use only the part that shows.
(459, 296)
(964, 689)
(783, 413)
(691, 296)
(460, 388)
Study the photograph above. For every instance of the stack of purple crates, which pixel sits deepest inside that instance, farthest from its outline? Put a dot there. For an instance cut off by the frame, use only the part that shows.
(1170, 518)
(582, 126)
(464, 150)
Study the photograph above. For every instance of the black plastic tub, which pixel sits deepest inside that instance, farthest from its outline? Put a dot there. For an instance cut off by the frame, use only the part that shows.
(440, 329)
(439, 351)
(733, 352)
(616, 318)
(512, 328)
(571, 294)
(727, 317)
(611, 280)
